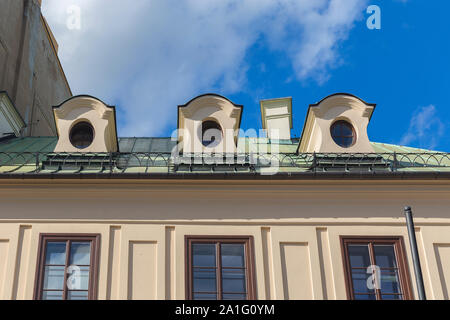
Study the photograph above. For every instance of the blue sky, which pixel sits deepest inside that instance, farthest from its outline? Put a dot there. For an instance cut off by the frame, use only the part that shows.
(159, 55)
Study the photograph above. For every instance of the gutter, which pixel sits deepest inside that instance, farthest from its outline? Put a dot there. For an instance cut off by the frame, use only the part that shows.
(236, 176)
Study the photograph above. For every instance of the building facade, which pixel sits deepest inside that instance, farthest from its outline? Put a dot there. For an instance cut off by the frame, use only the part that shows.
(217, 213)
(31, 76)
(214, 212)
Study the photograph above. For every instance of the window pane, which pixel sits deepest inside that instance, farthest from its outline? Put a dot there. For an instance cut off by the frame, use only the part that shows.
(347, 141)
(52, 295)
(359, 278)
(385, 256)
(340, 141)
(346, 130)
(359, 255)
(54, 277)
(205, 280)
(234, 297)
(78, 278)
(342, 133)
(204, 255)
(55, 253)
(336, 131)
(365, 297)
(233, 255)
(390, 282)
(233, 281)
(204, 296)
(80, 253)
(77, 295)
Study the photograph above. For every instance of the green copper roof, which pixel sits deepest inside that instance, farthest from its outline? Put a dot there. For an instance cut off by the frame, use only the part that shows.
(151, 156)
(132, 145)
(165, 145)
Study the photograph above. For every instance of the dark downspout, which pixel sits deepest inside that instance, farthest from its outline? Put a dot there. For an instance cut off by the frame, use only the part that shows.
(415, 253)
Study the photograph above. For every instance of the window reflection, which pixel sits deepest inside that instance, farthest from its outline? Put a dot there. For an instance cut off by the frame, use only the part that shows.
(219, 270)
(66, 271)
(343, 133)
(374, 270)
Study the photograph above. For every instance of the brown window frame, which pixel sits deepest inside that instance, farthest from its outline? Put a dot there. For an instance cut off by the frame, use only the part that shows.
(249, 260)
(45, 238)
(400, 255)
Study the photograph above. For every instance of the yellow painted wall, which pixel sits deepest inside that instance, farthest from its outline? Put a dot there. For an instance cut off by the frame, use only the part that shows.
(295, 226)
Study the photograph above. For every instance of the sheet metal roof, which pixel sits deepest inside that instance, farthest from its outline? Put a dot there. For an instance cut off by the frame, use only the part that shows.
(147, 156)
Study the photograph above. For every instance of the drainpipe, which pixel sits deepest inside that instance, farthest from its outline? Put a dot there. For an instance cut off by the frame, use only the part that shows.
(415, 253)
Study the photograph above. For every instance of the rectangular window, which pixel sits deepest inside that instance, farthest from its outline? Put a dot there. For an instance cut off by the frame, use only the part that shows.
(375, 268)
(67, 267)
(219, 268)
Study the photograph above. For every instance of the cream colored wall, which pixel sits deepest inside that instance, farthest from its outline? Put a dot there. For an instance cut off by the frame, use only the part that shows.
(93, 111)
(317, 135)
(277, 117)
(279, 128)
(295, 226)
(208, 107)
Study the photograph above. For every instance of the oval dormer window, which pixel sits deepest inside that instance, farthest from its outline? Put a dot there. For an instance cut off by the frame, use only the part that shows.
(81, 135)
(343, 133)
(211, 134)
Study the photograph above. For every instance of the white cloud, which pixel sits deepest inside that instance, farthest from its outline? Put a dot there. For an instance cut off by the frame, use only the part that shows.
(151, 55)
(425, 128)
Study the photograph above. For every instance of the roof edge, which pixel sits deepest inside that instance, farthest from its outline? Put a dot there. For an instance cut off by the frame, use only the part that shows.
(209, 94)
(406, 175)
(343, 94)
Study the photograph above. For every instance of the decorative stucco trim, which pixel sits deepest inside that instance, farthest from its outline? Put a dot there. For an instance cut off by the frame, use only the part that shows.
(227, 110)
(103, 119)
(320, 109)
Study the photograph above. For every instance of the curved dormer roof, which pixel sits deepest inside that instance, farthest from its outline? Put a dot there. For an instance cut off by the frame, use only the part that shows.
(208, 107)
(89, 109)
(316, 136)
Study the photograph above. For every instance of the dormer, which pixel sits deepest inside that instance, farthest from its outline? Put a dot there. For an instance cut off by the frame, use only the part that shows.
(85, 124)
(337, 124)
(209, 124)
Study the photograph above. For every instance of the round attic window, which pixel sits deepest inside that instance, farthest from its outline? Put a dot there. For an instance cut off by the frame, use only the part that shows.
(343, 134)
(81, 135)
(211, 134)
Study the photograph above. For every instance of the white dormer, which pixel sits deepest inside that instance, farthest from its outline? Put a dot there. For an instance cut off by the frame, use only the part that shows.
(11, 123)
(276, 117)
(337, 124)
(209, 124)
(85, 124)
